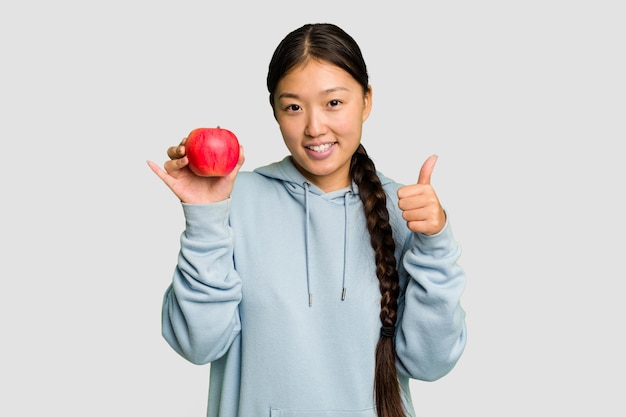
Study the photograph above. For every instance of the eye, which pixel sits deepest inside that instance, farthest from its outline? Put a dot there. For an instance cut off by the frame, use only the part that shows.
(292, 108)
(334, 103)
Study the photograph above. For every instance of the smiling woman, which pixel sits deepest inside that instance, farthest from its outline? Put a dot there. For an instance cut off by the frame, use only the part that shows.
(315, 285)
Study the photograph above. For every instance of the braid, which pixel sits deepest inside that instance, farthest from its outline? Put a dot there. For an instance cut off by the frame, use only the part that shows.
(386, 385)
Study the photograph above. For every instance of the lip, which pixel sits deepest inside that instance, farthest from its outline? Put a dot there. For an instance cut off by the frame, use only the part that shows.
(320, 154)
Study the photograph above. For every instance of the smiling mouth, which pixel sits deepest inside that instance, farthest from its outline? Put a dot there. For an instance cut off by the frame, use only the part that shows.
(321, 148)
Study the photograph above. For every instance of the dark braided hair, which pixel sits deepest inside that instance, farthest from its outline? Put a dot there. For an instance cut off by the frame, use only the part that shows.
(386, 386)
(330, 43)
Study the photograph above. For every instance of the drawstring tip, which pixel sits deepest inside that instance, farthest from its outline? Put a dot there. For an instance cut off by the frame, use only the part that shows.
(343, 294)
(310, 299)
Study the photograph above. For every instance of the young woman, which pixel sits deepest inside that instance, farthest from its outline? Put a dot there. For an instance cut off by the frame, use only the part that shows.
(314, 286)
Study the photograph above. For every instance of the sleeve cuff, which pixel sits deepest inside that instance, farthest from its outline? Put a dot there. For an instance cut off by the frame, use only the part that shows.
(202, 220)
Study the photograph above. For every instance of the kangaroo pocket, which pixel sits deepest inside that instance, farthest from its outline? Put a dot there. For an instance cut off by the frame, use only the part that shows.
(369, 412)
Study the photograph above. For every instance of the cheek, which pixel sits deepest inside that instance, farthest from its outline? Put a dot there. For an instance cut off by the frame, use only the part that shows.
(349, 128)
(289, 134)
(348, 124)
(290, 126)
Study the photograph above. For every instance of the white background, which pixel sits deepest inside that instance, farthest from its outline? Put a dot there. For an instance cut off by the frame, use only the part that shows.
(524, 102)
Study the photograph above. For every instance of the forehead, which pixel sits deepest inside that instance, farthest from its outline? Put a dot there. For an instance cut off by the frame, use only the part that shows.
(316, 75)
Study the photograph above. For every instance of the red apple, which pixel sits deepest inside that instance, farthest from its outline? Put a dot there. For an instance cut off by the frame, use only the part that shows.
(212, 151)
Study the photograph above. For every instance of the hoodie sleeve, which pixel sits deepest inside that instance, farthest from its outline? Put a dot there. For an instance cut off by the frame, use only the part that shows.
(200, 315)
(431, 332)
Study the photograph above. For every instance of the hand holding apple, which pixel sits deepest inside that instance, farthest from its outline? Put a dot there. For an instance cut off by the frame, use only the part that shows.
(419, 203)
(191, 188)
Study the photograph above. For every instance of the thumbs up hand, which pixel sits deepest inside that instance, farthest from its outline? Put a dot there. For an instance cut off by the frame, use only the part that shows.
(419, 203)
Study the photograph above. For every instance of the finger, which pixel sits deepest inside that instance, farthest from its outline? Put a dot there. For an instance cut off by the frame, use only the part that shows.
(411, 201)
(423, 221)
(174, 165)
(241, 159)
(175, 152)
(411, 190)
(157, 170)
(427, 170)
(240, 162)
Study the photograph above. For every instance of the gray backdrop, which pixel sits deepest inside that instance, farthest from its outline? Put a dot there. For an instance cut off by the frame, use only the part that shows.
(523, 102)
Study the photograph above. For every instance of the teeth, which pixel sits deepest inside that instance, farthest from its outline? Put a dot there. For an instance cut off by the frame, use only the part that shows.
(321, 148)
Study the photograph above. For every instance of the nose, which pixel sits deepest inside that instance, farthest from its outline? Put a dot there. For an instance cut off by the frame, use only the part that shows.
(315, 124)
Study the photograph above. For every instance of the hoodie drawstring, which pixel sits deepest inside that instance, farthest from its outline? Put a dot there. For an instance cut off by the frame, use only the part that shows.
(306, 243)
(307, 234)
(345, 245)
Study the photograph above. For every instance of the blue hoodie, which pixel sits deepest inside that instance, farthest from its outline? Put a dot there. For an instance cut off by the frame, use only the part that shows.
(276, 289)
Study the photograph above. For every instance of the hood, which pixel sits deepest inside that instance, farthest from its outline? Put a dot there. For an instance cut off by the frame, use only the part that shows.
(286, 172)
(299, 186)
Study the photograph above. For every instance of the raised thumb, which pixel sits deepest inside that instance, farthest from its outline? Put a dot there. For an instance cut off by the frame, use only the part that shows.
(427, 170)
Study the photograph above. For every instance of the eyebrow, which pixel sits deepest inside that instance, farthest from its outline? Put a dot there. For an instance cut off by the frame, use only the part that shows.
(325, 92)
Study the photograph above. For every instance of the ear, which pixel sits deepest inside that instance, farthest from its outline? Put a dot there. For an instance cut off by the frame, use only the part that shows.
(367, 102)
